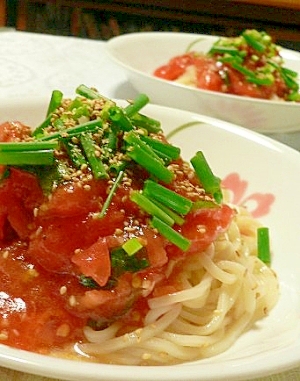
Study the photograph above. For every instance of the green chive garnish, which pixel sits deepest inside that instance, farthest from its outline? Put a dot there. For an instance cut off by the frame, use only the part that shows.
(151, 164)
(74, 152)
(210, 182)
(170, 234)
(73, 131)
(150, 207)
(263, 245)
(143, 121)
(88, 93)
(110, 195)
(95, 162)
(39, 131)
(37, 157)
(175, 217)
(165, 148)
(252, 38)
(136, 105)
(119, 117)
(27, 146)
(27, 153)
(169, 198)
(224, 50)
(132, 246)
(55, 101)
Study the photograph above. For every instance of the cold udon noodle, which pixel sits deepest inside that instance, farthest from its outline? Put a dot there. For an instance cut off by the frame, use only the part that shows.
(227, 288)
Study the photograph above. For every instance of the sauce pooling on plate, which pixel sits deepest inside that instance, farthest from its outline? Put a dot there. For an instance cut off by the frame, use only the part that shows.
(247, 65)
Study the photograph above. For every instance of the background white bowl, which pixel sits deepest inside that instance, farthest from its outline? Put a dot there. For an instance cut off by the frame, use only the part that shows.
(139, 54)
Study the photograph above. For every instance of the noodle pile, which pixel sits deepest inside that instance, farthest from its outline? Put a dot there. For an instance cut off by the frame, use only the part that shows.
(226, 290)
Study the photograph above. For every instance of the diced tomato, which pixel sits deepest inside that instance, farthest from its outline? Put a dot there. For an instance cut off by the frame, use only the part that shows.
(156, 252)
(57, 238)
(13, 131)
(208, 76)
(94, 262)
(73, 199)
(203, 227)
(107, 304)
(175, 68)
(19, 194)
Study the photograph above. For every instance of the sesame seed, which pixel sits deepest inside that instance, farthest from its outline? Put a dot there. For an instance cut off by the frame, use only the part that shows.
(3, 335)
(38, 231)
(63, 290)
(5, 254)
(72, 301)
(63, 330)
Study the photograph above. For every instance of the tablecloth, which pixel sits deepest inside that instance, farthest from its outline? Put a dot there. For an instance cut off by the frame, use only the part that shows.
(33, 65)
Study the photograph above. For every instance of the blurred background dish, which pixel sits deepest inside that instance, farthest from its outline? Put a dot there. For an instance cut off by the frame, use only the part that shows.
(139, 54)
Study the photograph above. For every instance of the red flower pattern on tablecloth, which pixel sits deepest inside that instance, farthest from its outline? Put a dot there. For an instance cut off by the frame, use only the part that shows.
(259, 204)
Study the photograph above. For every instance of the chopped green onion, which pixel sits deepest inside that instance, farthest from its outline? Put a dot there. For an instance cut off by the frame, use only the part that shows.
(266, 80)
(37, 157)
(95, 162)
(166, 148)
(176, 217)
(74, 152)
(210, 182)
(170, 234)
(118, 116)
(263, 245)
(204, 204)
(136, 105)
(224, 50)
(150, 163)
(169, 198)
(150, 207)
(27, 153)
(110, 195)
(39, 130)
(122, 262)
(135, 140)
(290, 72)
(132, 246)
(90, 126)
(27, 146)
(88, 93)
(252, 39)
(88, 282)
(55, 101)
(143, 121)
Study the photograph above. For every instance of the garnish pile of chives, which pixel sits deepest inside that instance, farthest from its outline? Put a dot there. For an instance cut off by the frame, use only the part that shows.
(256, 46)
(97, 142)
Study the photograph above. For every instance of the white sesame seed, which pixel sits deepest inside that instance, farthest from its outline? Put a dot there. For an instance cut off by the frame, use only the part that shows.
(63, 290)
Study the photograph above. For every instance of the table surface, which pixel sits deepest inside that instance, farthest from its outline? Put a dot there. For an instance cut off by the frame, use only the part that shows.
(34, 65)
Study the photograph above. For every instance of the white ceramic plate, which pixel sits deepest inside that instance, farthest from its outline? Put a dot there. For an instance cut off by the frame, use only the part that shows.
(139, 54)
(267, 168)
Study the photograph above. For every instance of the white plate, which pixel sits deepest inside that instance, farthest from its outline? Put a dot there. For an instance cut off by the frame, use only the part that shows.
(268, 167)
(139, 54)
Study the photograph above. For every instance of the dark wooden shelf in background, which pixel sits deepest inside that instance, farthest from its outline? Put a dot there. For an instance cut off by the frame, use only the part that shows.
(279, 18)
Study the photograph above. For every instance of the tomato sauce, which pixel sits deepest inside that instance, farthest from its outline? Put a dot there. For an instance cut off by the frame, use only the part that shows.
(48, 242)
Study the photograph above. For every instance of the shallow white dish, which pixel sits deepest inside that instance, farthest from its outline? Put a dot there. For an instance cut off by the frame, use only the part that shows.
(267, 167)
(139, 54)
